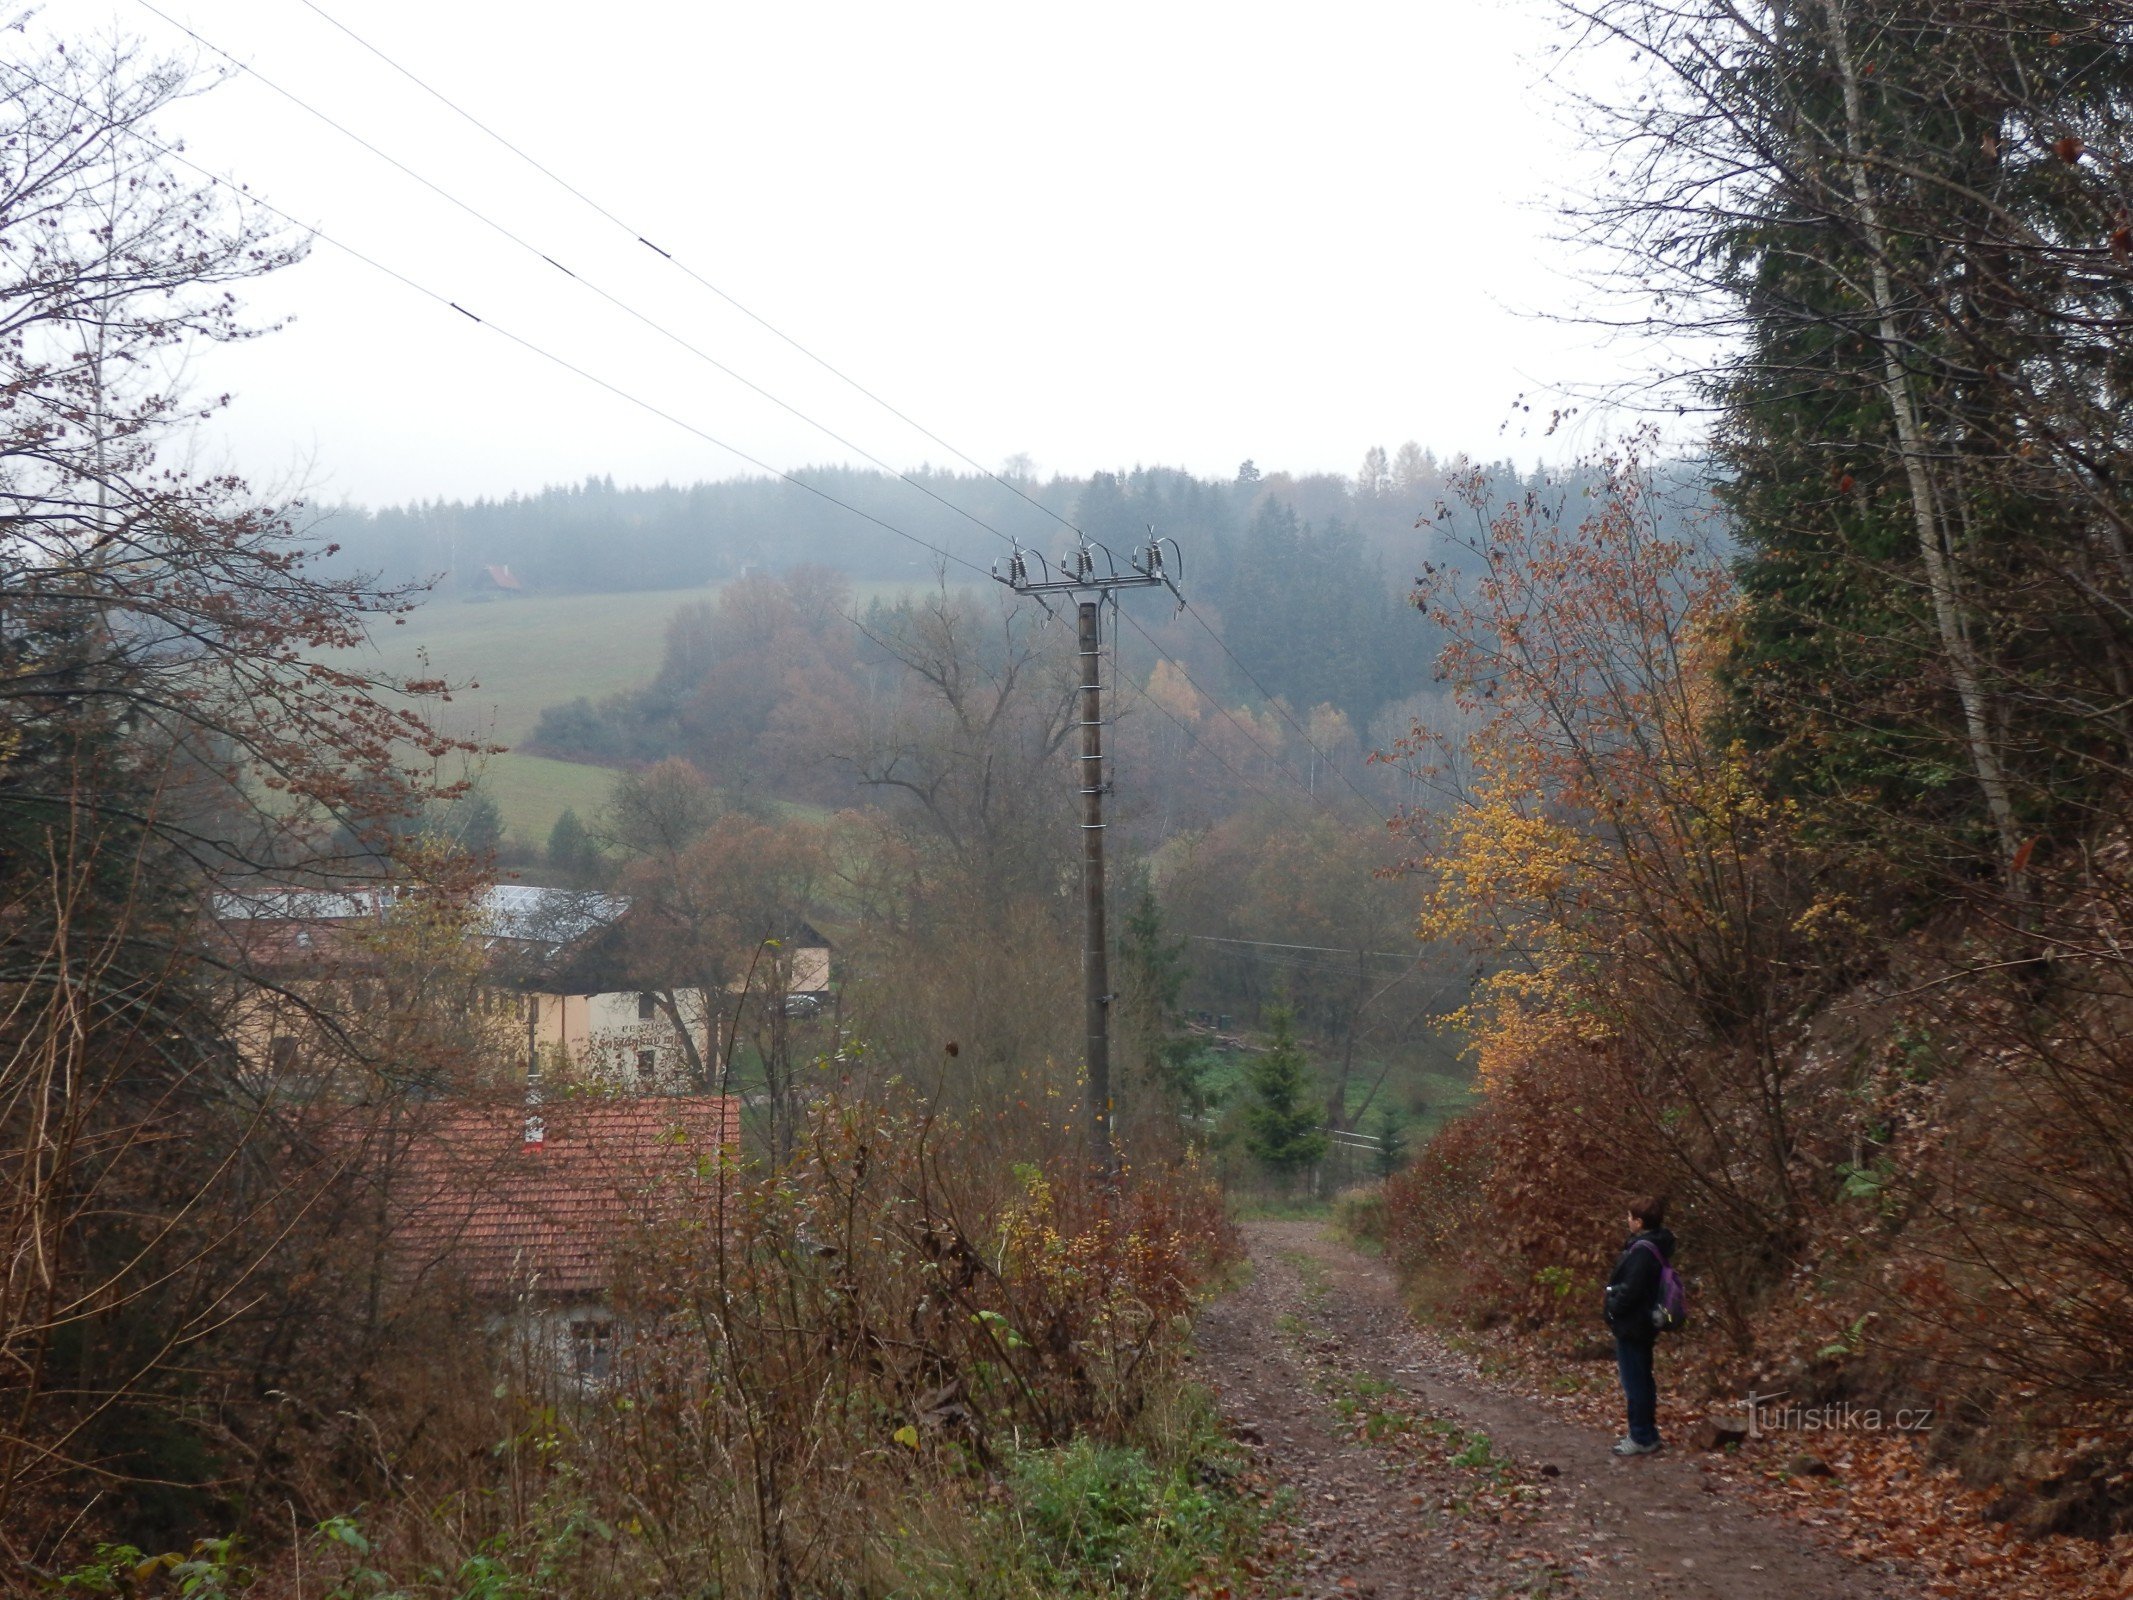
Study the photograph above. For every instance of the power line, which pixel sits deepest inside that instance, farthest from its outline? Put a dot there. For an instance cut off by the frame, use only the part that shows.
(629, 310)
(679, 264)
(579, 278)
(1187, 728)
(614, 389)
(1230, 717)
(246, 196)
(1280, 710)
(1326, 949)
(441, 299)
(763, 322)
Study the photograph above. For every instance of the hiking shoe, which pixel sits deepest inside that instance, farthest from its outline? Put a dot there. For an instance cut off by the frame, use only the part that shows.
(1630, 1447)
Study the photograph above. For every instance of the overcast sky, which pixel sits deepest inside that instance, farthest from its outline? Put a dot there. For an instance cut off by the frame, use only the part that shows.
(1098, 235)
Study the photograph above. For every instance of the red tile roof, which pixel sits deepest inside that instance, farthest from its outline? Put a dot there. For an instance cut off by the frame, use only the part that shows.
(514, 1215)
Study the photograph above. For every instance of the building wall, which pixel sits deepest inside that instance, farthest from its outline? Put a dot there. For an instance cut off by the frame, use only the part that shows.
(568, 1346)
(606, 1037)
(810, 970)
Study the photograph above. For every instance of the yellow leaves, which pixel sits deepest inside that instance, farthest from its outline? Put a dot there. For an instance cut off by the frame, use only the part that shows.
(1169, 688)
(907, 1436)
(1826, 916)
(1500, 861)
(1603, 840)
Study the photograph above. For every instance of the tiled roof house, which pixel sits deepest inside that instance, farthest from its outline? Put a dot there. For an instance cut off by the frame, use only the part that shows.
(534, 1203)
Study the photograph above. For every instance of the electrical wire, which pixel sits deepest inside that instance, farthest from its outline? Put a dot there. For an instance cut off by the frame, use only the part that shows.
(843, 377)
(623, 394)
(534, 250)
(246, 196)
(681, 265)
(1230, 717)
(1281, 710)
(1326, 949)
(616, 301)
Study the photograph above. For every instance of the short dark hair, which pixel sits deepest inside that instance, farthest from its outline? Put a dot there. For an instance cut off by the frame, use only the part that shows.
(1650, 1211)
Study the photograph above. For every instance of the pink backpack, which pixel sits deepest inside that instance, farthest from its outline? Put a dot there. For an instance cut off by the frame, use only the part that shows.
(1671, 1308)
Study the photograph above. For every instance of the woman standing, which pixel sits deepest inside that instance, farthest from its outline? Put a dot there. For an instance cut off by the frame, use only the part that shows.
(1632, 1297)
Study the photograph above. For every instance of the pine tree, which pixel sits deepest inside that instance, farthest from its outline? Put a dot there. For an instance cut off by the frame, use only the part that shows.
(1281, 1119)
(1392, 1148)
(1921, 442)
(475, 823)
(1153, 970)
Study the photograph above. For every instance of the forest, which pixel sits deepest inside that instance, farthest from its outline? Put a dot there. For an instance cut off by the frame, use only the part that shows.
(1302, 577)
(1733, 821)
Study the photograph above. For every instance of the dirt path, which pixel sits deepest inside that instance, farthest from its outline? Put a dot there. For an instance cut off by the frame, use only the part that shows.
(1413, 1477)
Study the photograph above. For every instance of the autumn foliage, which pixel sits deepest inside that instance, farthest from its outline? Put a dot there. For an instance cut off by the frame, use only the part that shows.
(1896, 1153)
(824, 1369)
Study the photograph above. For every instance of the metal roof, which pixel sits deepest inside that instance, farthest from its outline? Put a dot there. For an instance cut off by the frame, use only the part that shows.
(517, 911)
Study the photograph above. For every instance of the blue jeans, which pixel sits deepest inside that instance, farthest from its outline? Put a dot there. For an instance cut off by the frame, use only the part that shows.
(1633, 1359)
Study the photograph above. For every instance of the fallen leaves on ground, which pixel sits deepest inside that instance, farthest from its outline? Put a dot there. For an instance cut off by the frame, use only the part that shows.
(1882, 1498)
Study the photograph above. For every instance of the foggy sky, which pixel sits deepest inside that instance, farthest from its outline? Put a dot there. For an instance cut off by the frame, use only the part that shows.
(1100, 235)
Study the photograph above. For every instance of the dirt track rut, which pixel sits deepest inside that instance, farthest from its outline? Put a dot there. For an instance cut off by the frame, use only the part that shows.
(1412, 1476)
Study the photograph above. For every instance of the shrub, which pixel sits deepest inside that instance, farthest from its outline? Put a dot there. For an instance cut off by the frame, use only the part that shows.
(1530, 1186)
(1361, 1213)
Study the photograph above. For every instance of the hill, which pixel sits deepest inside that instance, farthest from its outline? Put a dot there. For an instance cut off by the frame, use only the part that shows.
(516, 655)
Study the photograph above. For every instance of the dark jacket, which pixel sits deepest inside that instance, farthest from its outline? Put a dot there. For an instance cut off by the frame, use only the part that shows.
(1633, 1287)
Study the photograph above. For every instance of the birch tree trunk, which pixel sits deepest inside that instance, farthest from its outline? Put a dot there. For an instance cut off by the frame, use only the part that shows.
(1941, 578)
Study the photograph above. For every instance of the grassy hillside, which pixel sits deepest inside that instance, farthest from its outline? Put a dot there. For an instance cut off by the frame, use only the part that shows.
(520, 655)
(516, 656)
(527, 653)
(532, 791)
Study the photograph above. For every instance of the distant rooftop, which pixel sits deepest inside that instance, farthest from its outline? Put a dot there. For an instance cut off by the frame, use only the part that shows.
(549, 916)
(516, 911)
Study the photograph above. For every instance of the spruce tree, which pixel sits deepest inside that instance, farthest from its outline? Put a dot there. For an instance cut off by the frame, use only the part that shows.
(1392, 1147)
(1281, 1118)
(1152, 970)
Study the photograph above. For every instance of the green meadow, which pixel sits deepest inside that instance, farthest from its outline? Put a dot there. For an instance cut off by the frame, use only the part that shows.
(510, 657)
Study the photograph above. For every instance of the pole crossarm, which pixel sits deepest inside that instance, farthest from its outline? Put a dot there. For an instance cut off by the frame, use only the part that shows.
(1088, 567)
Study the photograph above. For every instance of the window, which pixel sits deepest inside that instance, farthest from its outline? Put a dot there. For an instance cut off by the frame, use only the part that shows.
(647, 1006)
(281, 1050)
(592, 1349)
(647, 1062)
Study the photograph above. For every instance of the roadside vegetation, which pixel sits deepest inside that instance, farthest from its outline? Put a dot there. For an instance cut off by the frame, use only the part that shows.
(1799, 855)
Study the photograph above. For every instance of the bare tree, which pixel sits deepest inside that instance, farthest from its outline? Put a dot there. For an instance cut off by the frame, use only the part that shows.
(172, 720)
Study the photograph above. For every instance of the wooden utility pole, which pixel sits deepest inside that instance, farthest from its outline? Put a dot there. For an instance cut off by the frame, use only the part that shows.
(1078, 575)
(1095, 958)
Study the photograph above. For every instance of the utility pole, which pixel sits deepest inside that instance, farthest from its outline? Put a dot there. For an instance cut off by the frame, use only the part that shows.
(1078, 574)
(1095, 946)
